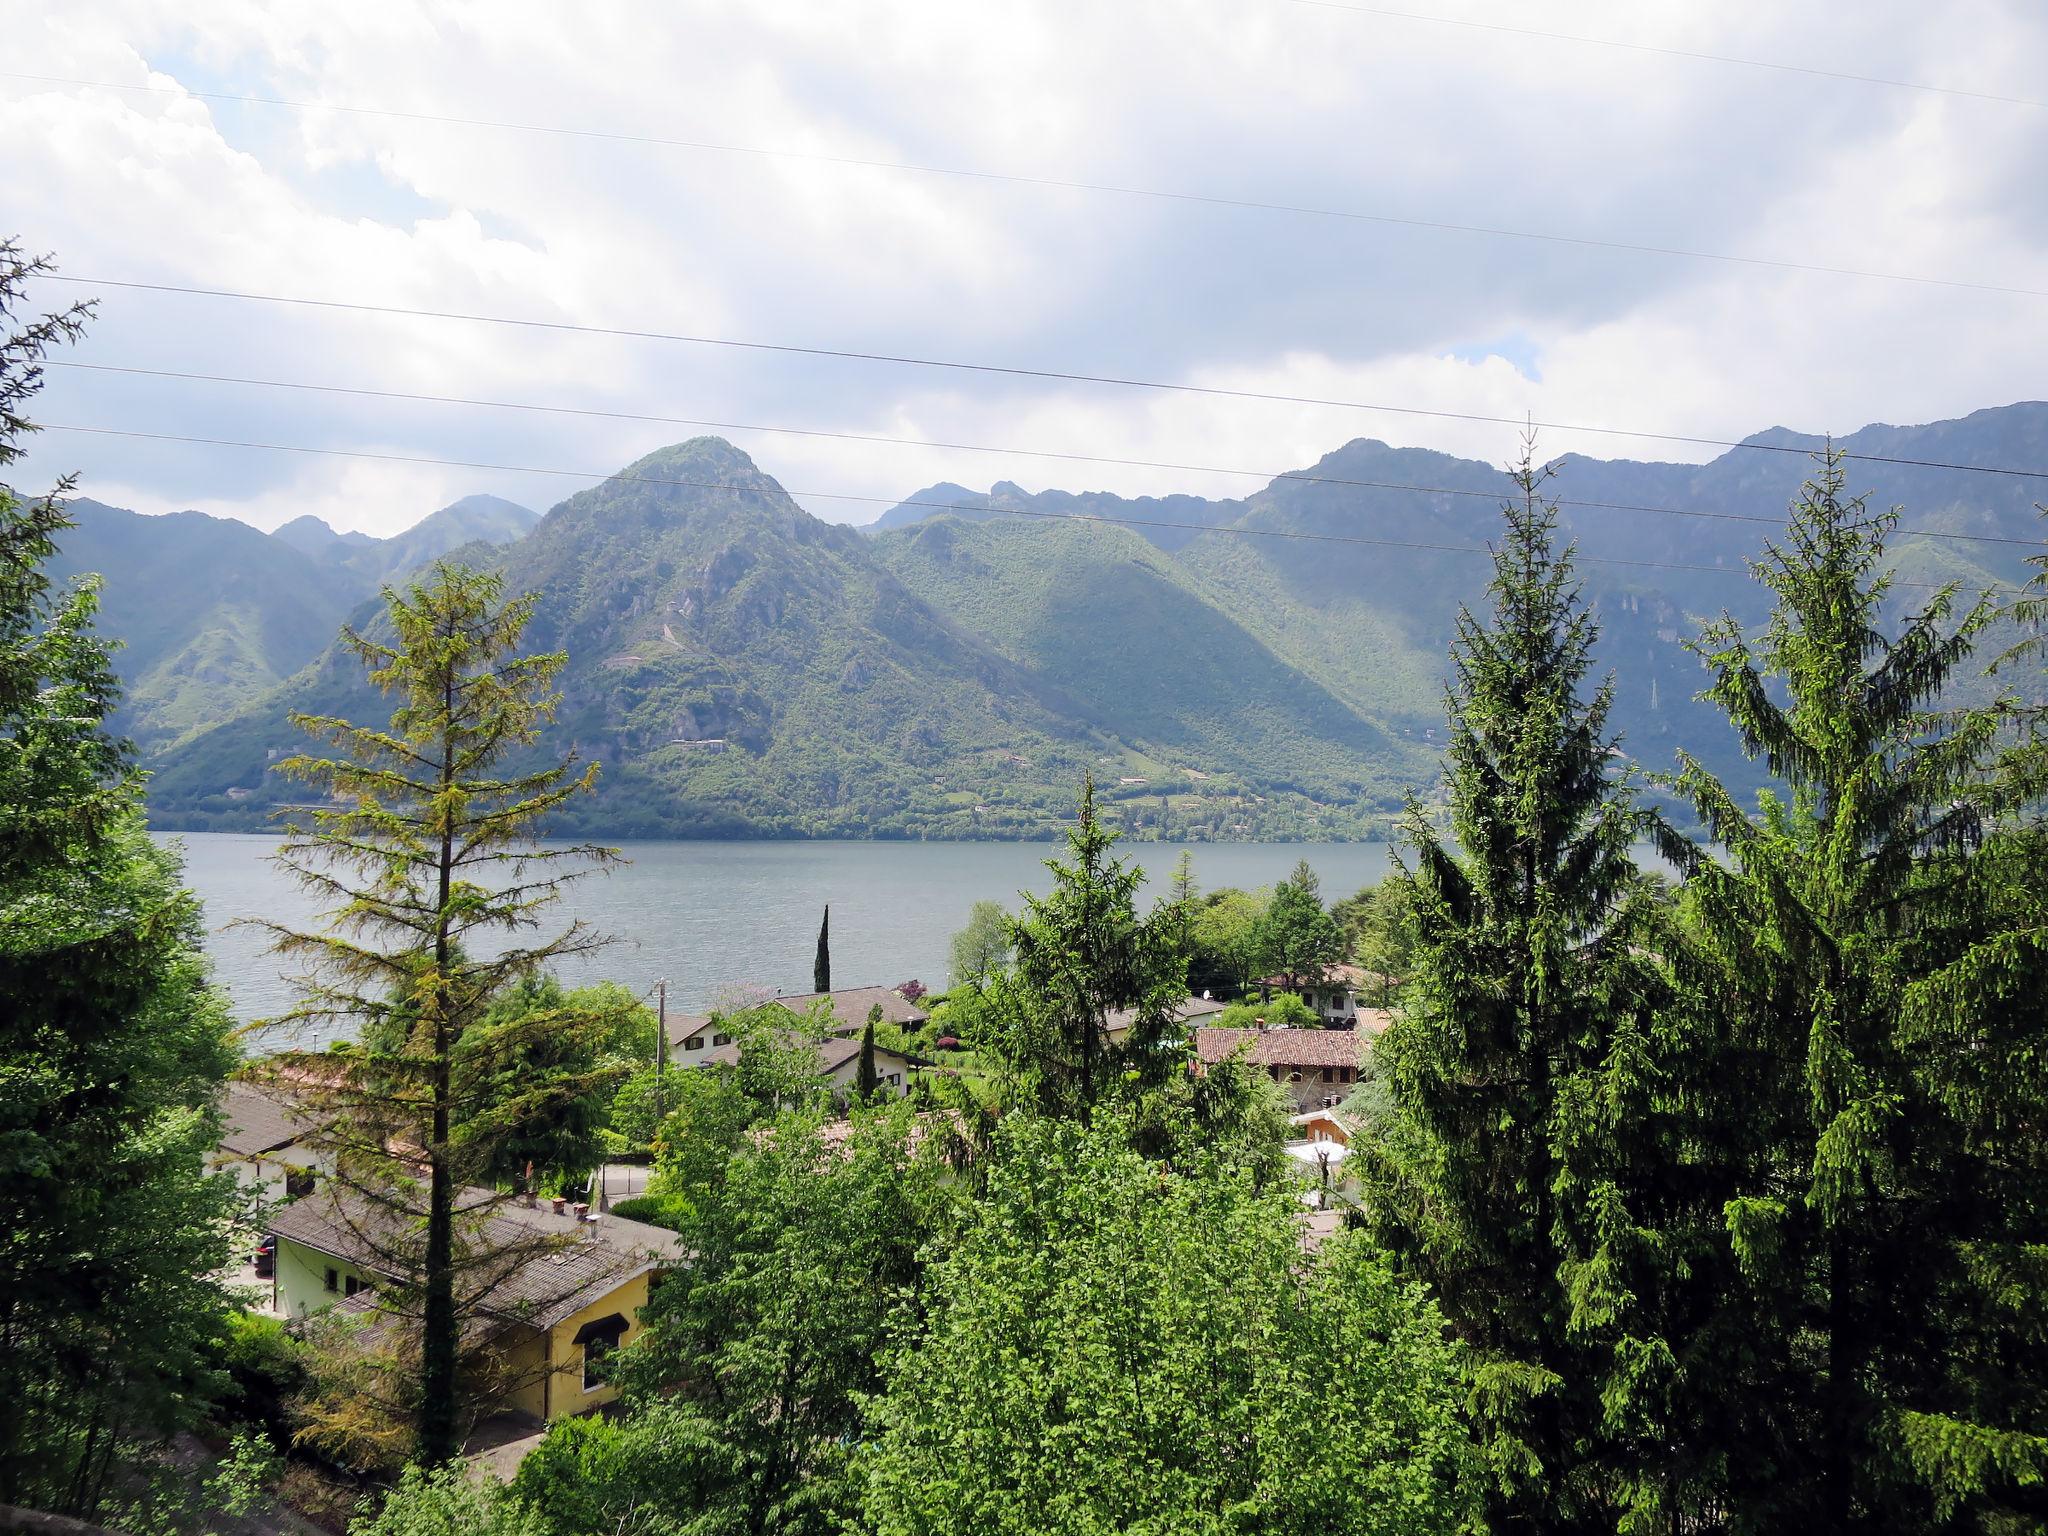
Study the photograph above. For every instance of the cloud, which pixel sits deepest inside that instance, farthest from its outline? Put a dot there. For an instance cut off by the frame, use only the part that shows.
(1262, 99)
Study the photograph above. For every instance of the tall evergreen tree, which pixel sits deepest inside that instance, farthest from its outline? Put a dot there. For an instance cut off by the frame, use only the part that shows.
(867, 1081)
(113, 1045)
(1873, 939)
(1083, 953)
(1521, 1176)
(821, 966)
(426, 843)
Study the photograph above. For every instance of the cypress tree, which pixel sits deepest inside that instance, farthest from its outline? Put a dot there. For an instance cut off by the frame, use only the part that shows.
(821, 966)
(867, 1081)
(1873, 942)
(1525, 1174)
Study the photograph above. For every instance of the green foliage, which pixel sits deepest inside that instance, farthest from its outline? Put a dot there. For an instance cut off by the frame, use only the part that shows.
(749, 1386)
(1225, 937)
(1531, 1172)
(821, 964)
(451, 1500)
(1115, 1348)
(1872, 940)
(1380, 934)
(113, 1045)
(1286, 1010)
(983, 946)
(427, 845)
(1083, 953)
(1297, 938)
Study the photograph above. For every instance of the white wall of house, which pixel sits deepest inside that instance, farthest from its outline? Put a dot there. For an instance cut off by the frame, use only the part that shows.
(301, 1279)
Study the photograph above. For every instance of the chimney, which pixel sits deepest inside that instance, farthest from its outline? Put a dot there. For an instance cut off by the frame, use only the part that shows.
(561, 1203)
(582, 1210)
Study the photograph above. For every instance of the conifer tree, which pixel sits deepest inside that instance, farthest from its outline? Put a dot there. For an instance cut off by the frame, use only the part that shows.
(1873, 939)
(113, 1044)
(867, 1081)
(1298, 939)
(821, 966)
(1083, 953)
(426, 845)
(1520, 1175)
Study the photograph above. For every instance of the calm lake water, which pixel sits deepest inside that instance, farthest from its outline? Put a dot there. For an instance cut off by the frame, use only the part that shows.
(721, 920)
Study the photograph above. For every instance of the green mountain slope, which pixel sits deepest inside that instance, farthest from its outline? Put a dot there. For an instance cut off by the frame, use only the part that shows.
(736, 665)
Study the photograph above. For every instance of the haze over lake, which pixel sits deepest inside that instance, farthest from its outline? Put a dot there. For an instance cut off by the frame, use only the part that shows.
(723, 919)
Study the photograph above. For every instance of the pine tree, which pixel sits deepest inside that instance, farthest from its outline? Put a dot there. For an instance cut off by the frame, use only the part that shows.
(1873, 939)
(821, 966)
(426, 844)
(1524, 1172)
(1083, 953)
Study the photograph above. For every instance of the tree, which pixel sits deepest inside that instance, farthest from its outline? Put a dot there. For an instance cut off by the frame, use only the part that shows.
(1873, 940)
(1224, 938)
(1115, 1348)
(867, 1082)
(821, 966)
(1377, 926)
(983, 946)
(1297, 939)
(749, 1386)
(1284, 1010)
(1530, 1182)
(452, 1500)
(113, 1045)
(426, 844)
(1083, 953)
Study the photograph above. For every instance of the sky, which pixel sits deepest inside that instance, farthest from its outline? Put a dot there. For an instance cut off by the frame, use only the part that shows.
(1434, 115)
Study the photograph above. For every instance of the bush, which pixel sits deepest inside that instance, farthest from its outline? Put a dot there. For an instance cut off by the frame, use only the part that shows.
(655, 1210)
(265, 1369)
(450, 1502)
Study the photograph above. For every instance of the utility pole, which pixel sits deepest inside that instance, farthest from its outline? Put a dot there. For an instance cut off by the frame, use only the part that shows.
(660, 1048)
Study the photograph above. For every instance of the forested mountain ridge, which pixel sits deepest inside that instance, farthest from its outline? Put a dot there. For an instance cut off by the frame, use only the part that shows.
(1269, 666)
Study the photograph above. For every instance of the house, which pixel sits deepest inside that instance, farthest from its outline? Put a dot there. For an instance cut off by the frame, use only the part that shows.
(1320, 1150)
(571, 1291)
(839, 1063)
(693, 1037)
(1118, 1023)
(1317, 1067)
(266, 1141)
(1336, 997)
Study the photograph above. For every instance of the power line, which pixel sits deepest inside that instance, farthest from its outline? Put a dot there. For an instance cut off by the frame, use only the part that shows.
(1295, 476)
(1662, 50)
(745, 489)
(1002, 370)
(1158, 194)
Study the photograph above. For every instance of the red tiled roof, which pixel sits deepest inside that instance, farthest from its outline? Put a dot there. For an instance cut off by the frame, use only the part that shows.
(1284, 1047)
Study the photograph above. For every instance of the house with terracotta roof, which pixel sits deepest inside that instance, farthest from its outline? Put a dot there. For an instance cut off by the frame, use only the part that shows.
(1188, 1011)
(564, 1289)
(1317, 1067)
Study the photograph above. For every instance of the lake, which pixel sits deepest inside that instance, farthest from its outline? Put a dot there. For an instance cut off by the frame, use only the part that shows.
(721, 920)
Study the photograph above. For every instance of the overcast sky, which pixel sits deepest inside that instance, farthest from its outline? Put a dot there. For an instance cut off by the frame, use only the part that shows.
(1277, 101)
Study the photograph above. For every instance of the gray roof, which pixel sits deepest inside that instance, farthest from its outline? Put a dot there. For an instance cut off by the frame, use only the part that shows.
(834, 1052)
(257, 1120)
(562, 1264)
(851, 1005)
(1185, 1011)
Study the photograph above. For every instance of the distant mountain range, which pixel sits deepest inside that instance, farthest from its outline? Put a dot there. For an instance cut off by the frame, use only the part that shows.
(739, 667)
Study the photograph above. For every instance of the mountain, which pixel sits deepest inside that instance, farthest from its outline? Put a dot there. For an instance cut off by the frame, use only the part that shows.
(214, 614)
(1266, 666)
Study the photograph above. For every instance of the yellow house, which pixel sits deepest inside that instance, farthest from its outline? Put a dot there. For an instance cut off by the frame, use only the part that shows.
(563, 1289)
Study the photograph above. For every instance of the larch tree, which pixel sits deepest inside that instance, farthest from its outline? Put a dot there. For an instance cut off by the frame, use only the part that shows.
(1873, 937)
(426, 845)
(1522, 1170)
(113, 1044)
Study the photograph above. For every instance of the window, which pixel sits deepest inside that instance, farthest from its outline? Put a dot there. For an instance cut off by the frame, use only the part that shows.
(599, 1339)
(333, 1278)
(694, 1043)
(1326, 1076)
(721, 1039)
(351, 1284)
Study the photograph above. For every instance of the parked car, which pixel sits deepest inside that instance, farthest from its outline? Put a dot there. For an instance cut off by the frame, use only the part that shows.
(266, 1256)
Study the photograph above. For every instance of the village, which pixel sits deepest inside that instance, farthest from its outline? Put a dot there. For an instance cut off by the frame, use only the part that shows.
(573, 1272)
